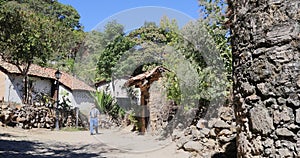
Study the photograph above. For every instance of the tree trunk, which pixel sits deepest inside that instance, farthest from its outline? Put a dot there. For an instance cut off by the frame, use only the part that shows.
(25, 99)
(266, 68)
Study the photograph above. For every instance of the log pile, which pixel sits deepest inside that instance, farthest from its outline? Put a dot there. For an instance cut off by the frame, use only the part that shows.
(28, 117)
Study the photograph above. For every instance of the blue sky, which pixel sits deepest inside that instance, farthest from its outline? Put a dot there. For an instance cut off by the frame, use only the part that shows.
(132, 13)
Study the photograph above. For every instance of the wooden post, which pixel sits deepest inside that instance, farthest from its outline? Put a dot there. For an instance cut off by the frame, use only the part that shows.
(143, 119)
(77, 115)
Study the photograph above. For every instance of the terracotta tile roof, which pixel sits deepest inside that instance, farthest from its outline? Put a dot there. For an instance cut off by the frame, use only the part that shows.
(35, 70)
(139, 80)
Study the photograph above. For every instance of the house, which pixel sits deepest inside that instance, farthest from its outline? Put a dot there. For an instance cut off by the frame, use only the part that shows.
(151, 99)
(117, 89)
(42, 81)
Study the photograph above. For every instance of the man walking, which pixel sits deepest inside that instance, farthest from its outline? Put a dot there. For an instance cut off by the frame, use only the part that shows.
(94, 114)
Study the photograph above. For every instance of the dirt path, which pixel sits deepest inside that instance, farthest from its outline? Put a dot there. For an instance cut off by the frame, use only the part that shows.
(15, 142)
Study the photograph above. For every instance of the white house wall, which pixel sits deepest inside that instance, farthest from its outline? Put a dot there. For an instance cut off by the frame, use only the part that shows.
(118, 89)
(3, 85)
(84, 101)
(78, 98)
(119, 92)
(14, 90)
(64, 92)
(42, 86)
(15, 85)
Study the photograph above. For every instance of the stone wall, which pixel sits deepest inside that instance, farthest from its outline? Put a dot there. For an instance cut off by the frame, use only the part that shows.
(214, 137)
(158, 108)
(266, 63)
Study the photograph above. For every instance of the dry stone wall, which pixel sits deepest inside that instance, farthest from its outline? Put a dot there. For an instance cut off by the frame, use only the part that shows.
(266, 63)
(214, 137)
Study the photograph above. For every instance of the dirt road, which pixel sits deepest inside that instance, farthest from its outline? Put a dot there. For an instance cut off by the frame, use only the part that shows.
(15, 142)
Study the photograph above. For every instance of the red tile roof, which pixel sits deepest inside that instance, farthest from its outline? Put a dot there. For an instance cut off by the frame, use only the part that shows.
(35, 70)
(139, 79)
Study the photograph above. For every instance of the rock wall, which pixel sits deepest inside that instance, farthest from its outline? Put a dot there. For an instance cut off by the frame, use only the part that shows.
(159, 108)
(266, 64)
(215, 137)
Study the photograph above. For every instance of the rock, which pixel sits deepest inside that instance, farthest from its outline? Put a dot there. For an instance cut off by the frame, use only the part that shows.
(281, 101)
(257, 147)
(284, 132)
(288, 144)
(270, 102)
(261, 120)
(204, 140)
(268, 151)
(201, 123)
(187, 131)
(262, 87)
(212, 133)
(225, 132)
(233, 129)
(205, 131)
(225, 139)
(226, 113)
(252, 98)
(180, 126)
(283, 115)
(211, 122)
(298, 82)
(247, 88)
(196, 134)
(293, 127)
(221, 124)
(298, 116)
(294, 101)
(285, 153)
(211, 143)
(278, 144)
(193, 146)
(177, 135)
(181, 142)
(268, 143)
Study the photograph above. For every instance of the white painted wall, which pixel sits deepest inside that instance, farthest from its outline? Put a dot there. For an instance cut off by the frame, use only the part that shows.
(14, 87)
(119, 92)
(41, 85)
(65, 92)
(84, 100)
(118, 89)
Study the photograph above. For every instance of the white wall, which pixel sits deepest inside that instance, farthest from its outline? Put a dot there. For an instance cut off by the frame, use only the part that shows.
(79, 98)
(65, 92)
(118, 89)
(15, 85)
(14, 88)
(84, 100)
(41, 86)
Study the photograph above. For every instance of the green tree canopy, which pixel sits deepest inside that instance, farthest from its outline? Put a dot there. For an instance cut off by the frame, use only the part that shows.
(30, 34)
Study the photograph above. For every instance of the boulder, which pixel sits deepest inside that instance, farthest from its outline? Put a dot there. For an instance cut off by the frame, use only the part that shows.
(261, 120)
(221, 124)
(298, 116)
(193, 146)
(284, 132)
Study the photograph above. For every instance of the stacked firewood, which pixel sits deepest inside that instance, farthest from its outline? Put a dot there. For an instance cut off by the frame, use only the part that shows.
(29, 117)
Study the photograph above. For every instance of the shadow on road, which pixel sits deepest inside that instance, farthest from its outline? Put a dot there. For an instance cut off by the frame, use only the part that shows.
(28, 149)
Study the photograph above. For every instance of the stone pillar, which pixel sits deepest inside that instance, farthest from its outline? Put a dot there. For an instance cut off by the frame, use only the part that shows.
(266, 68)
(159, 108)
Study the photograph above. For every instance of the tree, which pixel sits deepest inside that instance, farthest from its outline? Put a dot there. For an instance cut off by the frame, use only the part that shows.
(112, 30)
(22, 40)
(29, 36)
(92, 48)
(265, 47)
